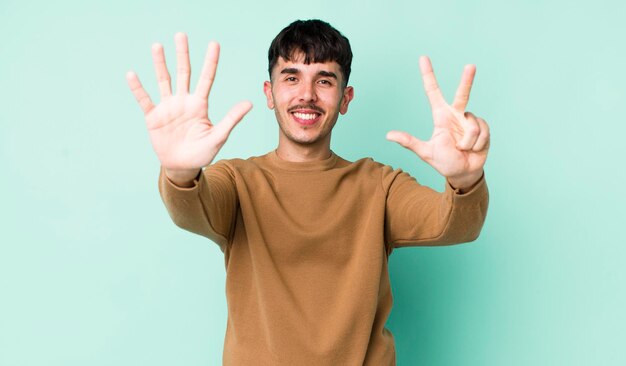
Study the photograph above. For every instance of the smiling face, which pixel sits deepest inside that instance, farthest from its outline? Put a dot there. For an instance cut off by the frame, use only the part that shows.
(307, 100)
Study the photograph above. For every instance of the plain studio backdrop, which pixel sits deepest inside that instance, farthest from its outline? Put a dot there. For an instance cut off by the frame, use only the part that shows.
(93, 272)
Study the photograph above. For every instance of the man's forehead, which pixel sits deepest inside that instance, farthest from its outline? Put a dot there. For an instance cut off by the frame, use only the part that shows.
(297, 62)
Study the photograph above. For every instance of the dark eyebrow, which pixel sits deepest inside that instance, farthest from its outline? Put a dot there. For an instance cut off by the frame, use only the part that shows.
(293, 70)
(328, 74)
(289, 70)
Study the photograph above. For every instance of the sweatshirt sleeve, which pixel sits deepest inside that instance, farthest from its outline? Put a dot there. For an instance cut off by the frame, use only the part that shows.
(209, 208)
(417, 215)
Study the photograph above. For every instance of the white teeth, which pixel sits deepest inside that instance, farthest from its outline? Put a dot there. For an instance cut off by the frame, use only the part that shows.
(306, 116)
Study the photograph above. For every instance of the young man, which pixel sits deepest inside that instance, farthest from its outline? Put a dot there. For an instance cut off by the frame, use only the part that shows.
(306, 235)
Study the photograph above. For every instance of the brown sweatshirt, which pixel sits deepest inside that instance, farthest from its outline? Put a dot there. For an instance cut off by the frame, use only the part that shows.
(306, 247)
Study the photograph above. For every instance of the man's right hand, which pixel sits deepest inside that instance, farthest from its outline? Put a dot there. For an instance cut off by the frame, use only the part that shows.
(181, 133)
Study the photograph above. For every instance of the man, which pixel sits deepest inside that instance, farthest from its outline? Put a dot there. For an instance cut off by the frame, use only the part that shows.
(306, 235)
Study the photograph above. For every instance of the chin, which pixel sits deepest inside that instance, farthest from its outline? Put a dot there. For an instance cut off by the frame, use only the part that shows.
(301, 139)
(306, 141)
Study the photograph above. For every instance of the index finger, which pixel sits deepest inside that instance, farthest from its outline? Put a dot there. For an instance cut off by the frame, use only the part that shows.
(430, 83)
(463, 91)
(208, 70)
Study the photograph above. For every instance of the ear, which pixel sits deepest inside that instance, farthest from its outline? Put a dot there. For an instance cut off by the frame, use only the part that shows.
(267, 89)
(348, 94)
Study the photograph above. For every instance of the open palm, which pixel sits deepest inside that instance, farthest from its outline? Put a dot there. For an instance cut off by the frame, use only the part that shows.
(181, 133)
(459, 144)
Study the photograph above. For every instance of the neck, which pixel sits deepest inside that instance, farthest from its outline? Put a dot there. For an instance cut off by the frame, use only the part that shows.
(299, 153)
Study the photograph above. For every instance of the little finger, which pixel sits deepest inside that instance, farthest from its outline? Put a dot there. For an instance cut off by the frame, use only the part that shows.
(482, 142)
(471, 131)
(139, 92)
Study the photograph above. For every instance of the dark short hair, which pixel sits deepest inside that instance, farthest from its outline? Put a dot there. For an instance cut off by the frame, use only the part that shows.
(319, 42)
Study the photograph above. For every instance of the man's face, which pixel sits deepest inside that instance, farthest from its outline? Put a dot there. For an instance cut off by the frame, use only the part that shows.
(307, 99)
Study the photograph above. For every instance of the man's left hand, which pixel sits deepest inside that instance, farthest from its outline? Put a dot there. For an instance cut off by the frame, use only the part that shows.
(460, 141)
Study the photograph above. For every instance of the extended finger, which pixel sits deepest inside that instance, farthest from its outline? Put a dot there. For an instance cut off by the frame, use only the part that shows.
(163, 76)
(208, 70)
(412, 143)
(463, 91)
(430, 83)
(139, 92)
(482, 142)
(471, 131)
(232, 118)
(183, 69)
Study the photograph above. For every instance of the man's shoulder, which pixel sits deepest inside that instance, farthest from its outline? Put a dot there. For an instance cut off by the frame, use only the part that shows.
(369, 170)
(241, 163)
(369, 164)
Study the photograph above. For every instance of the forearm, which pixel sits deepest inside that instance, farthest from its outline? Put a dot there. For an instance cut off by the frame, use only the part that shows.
(425, 217)
(208, 207)
(466, 216)
(184, 204)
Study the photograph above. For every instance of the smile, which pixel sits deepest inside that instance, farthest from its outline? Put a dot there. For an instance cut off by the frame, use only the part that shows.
(306, 118)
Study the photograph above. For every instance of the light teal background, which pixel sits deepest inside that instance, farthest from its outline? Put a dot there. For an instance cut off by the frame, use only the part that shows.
(92, 271)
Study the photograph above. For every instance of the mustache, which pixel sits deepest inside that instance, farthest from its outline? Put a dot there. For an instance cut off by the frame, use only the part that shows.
(306, 106)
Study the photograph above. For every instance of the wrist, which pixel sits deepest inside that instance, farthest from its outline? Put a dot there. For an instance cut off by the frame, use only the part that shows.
(183, 178)
(465, 182)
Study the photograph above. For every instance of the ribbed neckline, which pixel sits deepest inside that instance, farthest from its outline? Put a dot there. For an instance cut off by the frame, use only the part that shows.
(312, 166)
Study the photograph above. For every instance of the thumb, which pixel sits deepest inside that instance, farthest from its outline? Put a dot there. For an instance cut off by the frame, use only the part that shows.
(233, 117)
(414, 144)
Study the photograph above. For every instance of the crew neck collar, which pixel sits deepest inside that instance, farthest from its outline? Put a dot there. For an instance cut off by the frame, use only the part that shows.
(316, 165)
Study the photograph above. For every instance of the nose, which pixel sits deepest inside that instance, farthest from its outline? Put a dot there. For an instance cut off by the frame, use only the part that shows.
(308, 93)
